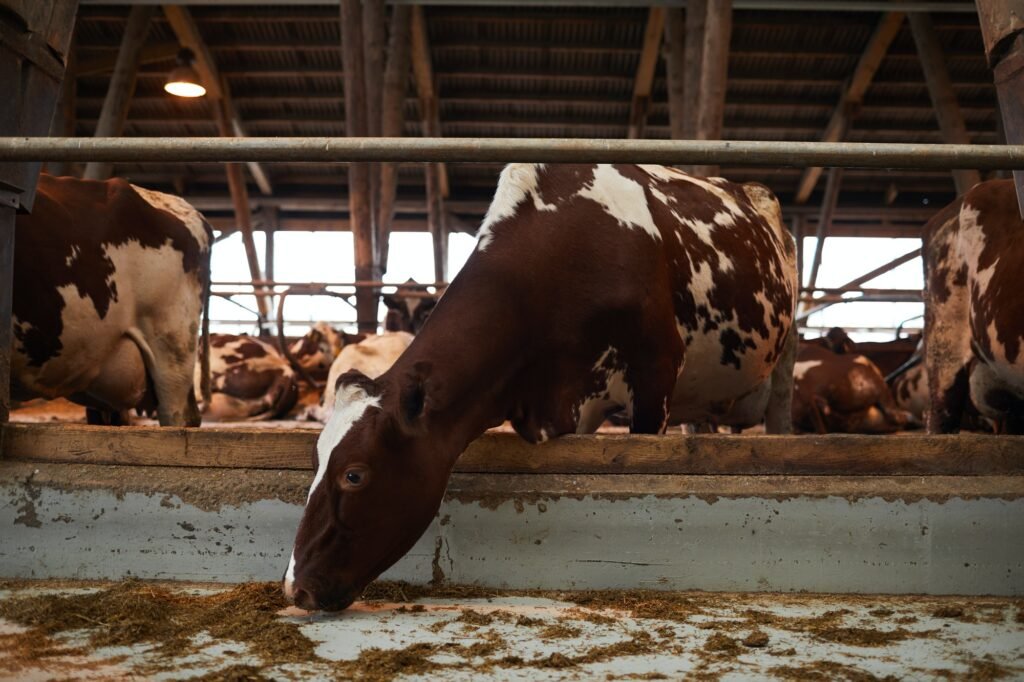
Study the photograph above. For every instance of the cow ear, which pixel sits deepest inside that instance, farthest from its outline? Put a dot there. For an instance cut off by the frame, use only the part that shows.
(415, 397)
(354, 380)
(390, 301)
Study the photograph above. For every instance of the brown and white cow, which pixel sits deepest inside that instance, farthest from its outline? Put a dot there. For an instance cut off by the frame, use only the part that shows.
(408, 308)
(591, 288)
(910, 391)
(109, 284)
(888, 356)
(249, 380)
(316, 351)
(974, 312)
(372, 356)
(842, 393)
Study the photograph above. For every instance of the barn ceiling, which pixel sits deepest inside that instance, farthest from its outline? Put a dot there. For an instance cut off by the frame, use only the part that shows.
(537, 72)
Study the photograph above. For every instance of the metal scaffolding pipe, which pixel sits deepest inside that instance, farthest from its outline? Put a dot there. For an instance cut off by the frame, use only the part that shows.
(550, 150)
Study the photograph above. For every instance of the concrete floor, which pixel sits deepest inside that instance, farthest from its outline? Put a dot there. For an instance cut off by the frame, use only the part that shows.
(805, 637)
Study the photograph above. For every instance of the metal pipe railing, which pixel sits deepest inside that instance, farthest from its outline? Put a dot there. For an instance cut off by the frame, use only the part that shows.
(553, 150)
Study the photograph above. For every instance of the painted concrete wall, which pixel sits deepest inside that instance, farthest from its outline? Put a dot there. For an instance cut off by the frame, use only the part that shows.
(865, 542)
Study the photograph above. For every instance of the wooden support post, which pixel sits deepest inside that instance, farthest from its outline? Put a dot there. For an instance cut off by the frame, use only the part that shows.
(1002, 30)
(122, 85)
(436, 222)
(675, 70)
(828, 208)
(797, 230)
(940, 87)
(645, 72)
(696, 16)
(853, 94)
(243, 216)
(358, 173)
(435, 175)
(396, 83)
(714, 72)
(63, 124)
(270, 224)
(374, 42)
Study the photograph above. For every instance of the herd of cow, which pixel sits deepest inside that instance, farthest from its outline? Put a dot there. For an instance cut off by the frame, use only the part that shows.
(638, 293)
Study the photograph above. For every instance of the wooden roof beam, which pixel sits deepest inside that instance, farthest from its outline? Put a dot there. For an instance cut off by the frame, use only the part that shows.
(149, 54)
(187, 31)
(853, 93)
(645, 72)
(423, 76)
(714, 73)
(940, 88)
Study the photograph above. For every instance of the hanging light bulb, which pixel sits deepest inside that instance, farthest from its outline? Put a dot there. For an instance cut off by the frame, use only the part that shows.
(183, 80)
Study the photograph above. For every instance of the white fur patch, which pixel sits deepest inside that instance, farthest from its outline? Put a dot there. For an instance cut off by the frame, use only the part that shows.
(289, 577)
(860, 359)
(517, 182)
(621, 198)
(372, 356)
(180, 209)
(349, 406)
(801, 368)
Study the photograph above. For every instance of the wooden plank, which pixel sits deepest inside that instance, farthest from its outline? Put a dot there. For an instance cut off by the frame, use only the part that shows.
(645, 72)
(360, 209)
(853, 95)
(374, 42)
(940, 88)
(675, 71)
(833, 455)
(423, 76)
(121, 87)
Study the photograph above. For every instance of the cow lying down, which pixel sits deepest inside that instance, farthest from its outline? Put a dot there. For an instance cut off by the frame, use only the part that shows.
(843, 393)
(109, 284)
(249, 380)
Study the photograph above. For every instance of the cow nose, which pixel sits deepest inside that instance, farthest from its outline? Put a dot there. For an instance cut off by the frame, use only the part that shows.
(304, 599)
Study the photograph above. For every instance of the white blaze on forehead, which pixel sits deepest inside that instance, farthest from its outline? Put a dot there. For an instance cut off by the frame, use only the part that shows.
(801, 368)
(517, 182)
(349, 406)
(180, 209)
(621, 198)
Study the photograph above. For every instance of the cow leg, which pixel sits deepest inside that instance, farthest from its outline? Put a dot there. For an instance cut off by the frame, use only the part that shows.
(997, 400)
(118, 387)
(100, 417)
(652, 395)
(778, 415)
(169, 351)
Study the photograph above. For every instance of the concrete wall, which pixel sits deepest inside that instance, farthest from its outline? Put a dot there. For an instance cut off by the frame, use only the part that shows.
(938, 535)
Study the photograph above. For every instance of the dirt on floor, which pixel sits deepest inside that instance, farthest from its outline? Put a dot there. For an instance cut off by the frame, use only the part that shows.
(175, 623)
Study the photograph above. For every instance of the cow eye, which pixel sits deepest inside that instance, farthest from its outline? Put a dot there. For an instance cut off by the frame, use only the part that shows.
(354, 478)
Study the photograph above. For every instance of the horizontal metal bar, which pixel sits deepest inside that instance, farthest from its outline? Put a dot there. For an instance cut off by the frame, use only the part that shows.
(784, 5)
(552, 150)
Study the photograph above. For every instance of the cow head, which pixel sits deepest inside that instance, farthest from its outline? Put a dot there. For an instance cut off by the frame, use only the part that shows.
(377, 487)
(316, 350)
(408, 308)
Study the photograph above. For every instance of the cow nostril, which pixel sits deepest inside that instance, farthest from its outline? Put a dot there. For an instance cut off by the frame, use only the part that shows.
(304, 599)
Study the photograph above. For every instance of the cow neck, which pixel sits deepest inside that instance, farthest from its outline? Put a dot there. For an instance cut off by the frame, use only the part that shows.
(471, 384)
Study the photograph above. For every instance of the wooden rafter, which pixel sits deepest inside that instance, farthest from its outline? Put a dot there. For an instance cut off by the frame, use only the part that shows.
(396, 83)
(675, 71)
(645, 72)
(940, 88)
(853, 93)
(187, 32)
(121, 86)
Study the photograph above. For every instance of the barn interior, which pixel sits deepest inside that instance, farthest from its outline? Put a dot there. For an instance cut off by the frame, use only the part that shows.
(711, 555)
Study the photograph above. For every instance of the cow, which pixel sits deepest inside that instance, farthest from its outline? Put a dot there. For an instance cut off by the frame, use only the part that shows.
(408, 308)
(372, 356)
(842, 392)
(249, 379)
(974, 311)
(591, 288)
(910, 391)
(316, 351)
(109, 284)
(888, 356)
